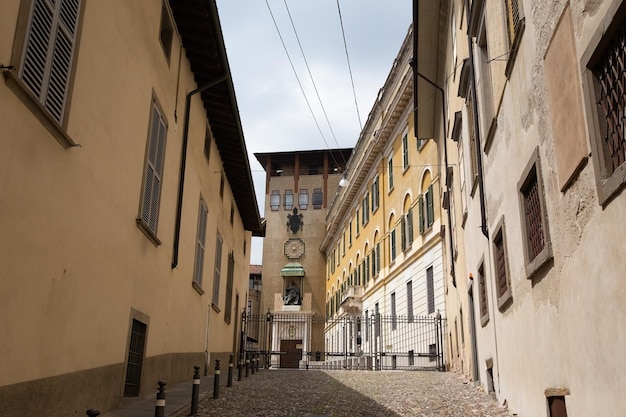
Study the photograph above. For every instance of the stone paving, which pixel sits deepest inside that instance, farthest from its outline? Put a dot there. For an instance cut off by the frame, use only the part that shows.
(300, 393)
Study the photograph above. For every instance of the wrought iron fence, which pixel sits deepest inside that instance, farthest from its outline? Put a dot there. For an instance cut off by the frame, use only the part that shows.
(375, 342)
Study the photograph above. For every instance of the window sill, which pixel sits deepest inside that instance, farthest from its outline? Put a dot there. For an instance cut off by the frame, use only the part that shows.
(540, 261)
(196, 286)
(152, 237)
(31, 102)
(490, 134)
(610, 187)
(215, 308)
(484, 320)
(505, 300)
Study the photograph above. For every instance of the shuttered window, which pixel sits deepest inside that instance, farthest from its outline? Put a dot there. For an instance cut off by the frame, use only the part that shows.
(200, 243)
(49, 52)
(153, 171)
(230, 276)
(217, 271)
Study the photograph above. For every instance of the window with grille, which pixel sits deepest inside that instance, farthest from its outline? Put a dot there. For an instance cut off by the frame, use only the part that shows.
(394, 319)
(606, 85)
(166, 33)
(217, 272)
(512, 19)
(430, 289)
(303, 199)
(152, 181)
(482, 289)
(537, 246)
(49, 52)
(318, 198)
(409, 301)
(503, 285)
(200, 245)
(275, 200)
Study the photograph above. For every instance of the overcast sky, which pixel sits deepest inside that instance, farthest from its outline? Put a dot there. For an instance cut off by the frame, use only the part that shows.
(273, 110)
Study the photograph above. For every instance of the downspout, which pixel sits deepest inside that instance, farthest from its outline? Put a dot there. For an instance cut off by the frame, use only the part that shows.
(183, 163)
(478, 150)
(417, 74)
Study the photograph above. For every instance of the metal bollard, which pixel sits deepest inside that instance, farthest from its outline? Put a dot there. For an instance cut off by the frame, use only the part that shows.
(93, 412)
(195, 391)
(230, 371)
(216, 379)
(159, 409)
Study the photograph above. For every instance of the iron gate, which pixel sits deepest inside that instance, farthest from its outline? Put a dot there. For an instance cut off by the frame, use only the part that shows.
(373, 342)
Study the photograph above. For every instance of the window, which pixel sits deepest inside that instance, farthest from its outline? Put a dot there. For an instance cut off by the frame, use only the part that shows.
(512, 19)
(606, 105)
(482, 289)
(405, 152)
(303, 199)
(392, 244)
(318, 198)
(275, 200)
(222, 183)
(232, 214)
(288, 200)
(229, 287)
(409, 301)
(430, 289)
(394, 319)
(207, 143)
(375, 195)
(166, 33)
(49, 50)
(426, 210)
(472, 141)
(390, 173)
(503, 287)
(358, 224)
(350, 233)
(151, 193)
(407, 230)
(200, 240)
(376, 259)
(343, 244)
(537, 247)
(217, 272)
(366, 208)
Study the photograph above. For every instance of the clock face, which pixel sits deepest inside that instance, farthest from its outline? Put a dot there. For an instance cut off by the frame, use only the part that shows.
(294, 248)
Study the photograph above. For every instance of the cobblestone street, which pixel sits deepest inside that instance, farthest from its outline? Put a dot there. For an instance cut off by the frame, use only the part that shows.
(297, 393)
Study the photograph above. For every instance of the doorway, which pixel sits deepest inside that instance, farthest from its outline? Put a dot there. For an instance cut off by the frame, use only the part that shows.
(135, 358)
(292, 353)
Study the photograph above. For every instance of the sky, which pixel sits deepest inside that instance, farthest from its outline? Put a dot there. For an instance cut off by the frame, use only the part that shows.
(275, 113)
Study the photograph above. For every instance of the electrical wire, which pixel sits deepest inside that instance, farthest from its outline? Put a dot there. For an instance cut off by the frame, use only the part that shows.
(345, 47)
(299, 82)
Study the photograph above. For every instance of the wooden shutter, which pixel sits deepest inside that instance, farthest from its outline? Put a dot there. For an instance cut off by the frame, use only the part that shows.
(230, 276)
(420, 204)
(200, 242)
(154, 170)
(429, 206)
(409, 225)
(49, 52)
(218, 268)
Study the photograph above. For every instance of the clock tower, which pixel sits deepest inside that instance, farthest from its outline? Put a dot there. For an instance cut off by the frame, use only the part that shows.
(299, 189)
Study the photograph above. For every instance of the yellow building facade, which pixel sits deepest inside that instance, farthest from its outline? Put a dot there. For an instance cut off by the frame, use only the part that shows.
(127, 201)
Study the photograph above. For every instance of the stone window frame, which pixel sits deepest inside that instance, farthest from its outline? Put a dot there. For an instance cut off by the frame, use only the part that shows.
(608, 184)
(503, 297)
(532, 266)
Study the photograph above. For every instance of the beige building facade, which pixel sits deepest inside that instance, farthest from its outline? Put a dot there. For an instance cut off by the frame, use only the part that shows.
(536, 107)
(127, 212)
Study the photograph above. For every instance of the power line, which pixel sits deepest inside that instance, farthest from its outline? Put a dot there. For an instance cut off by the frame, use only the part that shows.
(298, 79)
(345, 47)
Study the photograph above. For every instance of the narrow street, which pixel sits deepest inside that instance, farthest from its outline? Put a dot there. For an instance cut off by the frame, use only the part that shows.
(299, 393)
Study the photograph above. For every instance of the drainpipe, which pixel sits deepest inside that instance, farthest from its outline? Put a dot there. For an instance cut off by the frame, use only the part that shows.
(183, 163)
(478, 150)
(417, 74)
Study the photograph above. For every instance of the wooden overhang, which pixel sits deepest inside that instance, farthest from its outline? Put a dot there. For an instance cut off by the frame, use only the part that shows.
(199, 27)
